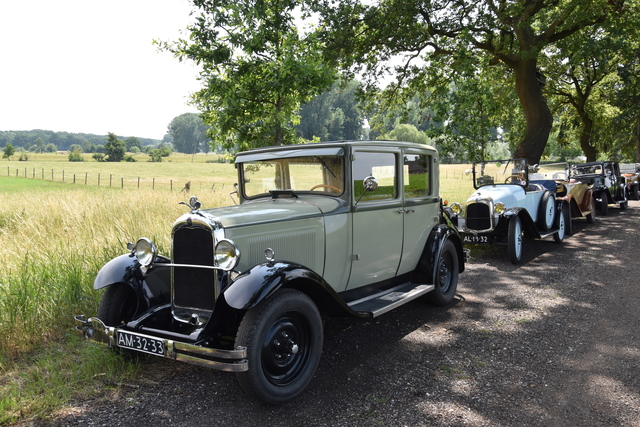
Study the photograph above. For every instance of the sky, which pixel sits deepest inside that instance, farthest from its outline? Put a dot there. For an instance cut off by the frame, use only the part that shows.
(89, 66)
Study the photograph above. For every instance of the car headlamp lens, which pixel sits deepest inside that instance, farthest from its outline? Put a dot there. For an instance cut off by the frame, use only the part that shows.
(145, 251)
(456, 208)
(227, 254)
(500, 208)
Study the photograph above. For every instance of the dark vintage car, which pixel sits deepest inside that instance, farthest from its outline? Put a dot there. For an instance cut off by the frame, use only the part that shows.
(345, 228)
(577, 194)
(608, 185)
(631, 173)
(507, 206)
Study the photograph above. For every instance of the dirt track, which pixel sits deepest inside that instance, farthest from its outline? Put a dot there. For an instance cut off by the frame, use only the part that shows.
(552, 342)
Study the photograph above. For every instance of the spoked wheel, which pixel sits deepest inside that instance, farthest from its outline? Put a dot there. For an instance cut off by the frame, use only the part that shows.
(446, 281)
(514, 240)
(283, 336)
(561, 225)
(546, 211)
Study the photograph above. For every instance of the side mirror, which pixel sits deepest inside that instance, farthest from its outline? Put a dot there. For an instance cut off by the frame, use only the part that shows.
(370, 184)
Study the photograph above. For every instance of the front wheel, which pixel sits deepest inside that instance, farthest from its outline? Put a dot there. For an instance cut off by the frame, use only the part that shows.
(604, 204)
(283, 336)
(514, 240)
(591, 216)
(446, 276)
(118, 305)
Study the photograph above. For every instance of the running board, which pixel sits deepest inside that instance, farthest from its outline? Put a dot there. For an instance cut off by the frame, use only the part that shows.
(380, 303)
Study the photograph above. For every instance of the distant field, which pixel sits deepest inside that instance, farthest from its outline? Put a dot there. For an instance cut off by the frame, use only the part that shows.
(205, 172)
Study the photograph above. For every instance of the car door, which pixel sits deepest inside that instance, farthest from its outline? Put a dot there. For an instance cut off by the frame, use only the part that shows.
(377, 218)
(421, 205)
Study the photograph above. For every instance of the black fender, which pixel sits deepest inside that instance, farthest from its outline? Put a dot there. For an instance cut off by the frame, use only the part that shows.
(263, 280)
(151, 289)
(433, 250)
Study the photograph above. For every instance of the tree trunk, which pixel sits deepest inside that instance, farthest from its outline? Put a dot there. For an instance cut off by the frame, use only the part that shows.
(638, 140)
(585, 138)
(536, 111)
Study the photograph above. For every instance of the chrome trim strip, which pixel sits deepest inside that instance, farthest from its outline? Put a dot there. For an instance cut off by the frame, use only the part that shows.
(93, 329)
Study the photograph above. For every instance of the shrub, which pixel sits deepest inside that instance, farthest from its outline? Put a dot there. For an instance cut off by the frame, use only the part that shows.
(76, 155)
(98, 157)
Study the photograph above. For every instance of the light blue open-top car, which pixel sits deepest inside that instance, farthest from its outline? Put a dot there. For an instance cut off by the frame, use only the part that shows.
(351, 228)
(507, 206)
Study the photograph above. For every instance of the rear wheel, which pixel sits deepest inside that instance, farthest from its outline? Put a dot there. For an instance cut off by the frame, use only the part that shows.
(514, 240)
(446, 276)
(561, 225)
(283, 336)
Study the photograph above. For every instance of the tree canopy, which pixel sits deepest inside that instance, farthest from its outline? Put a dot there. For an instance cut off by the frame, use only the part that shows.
(189, 133)
(257, 68)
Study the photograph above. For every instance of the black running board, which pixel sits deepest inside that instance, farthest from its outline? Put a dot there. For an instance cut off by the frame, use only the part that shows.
(380, 303)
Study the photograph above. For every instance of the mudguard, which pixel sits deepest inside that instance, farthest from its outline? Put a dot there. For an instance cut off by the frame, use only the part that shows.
(433, 250)
(152, 290)
(264, 279)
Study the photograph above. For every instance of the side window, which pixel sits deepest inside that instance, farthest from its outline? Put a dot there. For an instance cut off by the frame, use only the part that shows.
(417, 175)
(382, 166)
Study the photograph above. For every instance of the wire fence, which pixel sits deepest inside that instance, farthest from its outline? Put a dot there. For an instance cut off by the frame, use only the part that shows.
(118, 181)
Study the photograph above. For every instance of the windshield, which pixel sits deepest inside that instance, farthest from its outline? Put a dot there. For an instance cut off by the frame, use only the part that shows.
(320, 174)
(553, 171)
(588, 169)
(513, 171)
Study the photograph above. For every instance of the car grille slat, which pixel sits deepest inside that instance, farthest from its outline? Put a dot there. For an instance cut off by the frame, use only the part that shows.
(193, 288)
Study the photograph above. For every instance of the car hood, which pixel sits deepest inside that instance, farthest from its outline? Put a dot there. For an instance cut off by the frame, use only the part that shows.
(510, 195)
(270, 210)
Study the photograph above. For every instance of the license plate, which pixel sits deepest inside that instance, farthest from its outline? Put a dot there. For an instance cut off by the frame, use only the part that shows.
(475, 238)
(140, 343)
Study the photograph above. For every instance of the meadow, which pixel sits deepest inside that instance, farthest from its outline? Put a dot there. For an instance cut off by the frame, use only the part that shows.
(55, 235)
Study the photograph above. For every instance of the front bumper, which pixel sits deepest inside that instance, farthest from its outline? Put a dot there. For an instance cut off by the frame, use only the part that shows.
(94, 329)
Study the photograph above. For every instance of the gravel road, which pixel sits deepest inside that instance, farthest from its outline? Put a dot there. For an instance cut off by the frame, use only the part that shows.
(552, 342)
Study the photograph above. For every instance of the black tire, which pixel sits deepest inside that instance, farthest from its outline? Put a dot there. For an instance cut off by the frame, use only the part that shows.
(561, 225)
(118, 305)
(634, 191)
(514, 240)
(591, 216)
(283, 336)
(546, 211)
(568, 220)
(604, 204)
(446, 276)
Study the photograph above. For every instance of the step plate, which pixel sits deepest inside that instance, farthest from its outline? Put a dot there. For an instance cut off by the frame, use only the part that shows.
(378, 304)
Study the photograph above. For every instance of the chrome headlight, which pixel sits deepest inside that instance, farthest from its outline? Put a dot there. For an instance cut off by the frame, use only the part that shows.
(227, 254)
(499, 208)
(145, 251)
(456, 208)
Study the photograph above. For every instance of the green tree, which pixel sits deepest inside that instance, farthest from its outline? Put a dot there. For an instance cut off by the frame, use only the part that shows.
(39, 144)
(76, 155)
(257, 69)
(364, 36)
(50, 148)
(8, 152)
(114, 148)
(131, 142)
(406, 132)
(188, 133)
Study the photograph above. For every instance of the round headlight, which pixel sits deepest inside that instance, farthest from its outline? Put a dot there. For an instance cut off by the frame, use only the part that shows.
(500, 208)
(145, 251)
(456, 208)
(227, 254)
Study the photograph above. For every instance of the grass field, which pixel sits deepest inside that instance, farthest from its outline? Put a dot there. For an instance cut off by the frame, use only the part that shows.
(55, 235)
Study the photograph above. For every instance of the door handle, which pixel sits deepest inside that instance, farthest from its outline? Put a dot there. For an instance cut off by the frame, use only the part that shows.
(405, 211)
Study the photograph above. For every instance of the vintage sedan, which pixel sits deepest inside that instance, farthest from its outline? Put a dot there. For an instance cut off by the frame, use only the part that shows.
(507, 206)
(606, 181)
(347, 228)
(577, 194)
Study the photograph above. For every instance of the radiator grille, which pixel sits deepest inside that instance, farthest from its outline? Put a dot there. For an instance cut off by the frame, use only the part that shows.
(478, 216)
(193, 288)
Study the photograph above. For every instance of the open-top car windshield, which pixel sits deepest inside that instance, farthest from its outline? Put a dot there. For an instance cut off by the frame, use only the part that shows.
(512, 171)
(318, 174)
(552, 171)
(593, 169)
